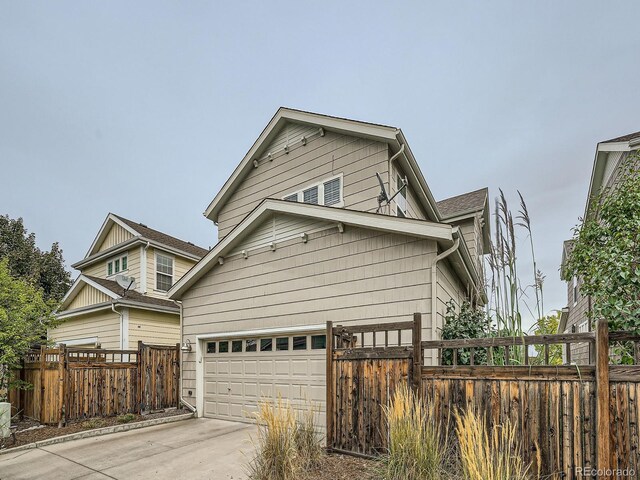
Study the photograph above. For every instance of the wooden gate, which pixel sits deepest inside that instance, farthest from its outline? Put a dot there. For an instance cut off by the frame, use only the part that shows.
(365, 364)
(159, 371)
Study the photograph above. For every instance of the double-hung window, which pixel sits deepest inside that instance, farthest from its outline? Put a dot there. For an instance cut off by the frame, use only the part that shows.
(164, 272)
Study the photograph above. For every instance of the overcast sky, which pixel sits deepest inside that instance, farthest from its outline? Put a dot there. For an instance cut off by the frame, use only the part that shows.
(145, 108)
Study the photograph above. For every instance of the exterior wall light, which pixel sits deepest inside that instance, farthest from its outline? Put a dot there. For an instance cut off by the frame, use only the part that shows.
(186, 346)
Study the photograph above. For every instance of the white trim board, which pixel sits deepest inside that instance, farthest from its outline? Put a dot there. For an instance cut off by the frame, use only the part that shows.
(78, 341)
(263, 332)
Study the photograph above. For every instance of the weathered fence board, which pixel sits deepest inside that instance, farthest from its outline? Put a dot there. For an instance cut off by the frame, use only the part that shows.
(71, 384)
(566, 416)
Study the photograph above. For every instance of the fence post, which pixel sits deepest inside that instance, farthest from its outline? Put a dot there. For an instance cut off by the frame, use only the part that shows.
(43, 365)
(62, 379)
(416, 367)
(139, 379)
(329, 385)
(602, 396)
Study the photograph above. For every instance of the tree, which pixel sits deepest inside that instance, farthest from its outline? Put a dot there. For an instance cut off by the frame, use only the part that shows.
(25, 316)
(26, 261)
(547, 326)
(606, 252)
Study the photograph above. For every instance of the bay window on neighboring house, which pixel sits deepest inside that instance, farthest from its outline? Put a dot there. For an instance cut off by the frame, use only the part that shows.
(164, 272)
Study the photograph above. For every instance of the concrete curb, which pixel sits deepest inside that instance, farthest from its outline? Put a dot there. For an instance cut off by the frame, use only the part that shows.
(98, 432)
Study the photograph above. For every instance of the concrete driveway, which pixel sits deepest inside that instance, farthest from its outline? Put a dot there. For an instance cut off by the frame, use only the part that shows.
(194, 449)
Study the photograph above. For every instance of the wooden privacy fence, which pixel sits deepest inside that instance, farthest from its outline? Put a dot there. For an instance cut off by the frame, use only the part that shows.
(70, 384)
(570, 416)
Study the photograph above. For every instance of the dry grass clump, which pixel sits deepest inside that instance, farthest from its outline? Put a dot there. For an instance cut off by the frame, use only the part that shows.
(418, 443)
(489, 454)
(285, 445)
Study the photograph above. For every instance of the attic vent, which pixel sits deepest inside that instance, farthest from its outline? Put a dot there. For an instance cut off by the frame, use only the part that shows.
(191, 243)
(143, 225)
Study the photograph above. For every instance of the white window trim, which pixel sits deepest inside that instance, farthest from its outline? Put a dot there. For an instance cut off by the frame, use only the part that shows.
(112, 261)
(155, 269)
(406, 200)
(574, 290)
(320, 185)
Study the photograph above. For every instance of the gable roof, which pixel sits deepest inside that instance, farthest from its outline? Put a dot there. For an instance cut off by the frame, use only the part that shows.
(140, 234)
(115, 293)
(164, 238)
(624, 138)
(625, 143)
(442, 233)
(383, 133)
(465, 203)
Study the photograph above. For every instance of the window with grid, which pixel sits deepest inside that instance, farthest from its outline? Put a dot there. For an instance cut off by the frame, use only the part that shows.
(310, 195)
(164, 272)
(332, 191)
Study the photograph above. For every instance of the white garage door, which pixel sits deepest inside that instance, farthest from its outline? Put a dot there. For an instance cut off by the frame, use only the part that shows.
(239, 372)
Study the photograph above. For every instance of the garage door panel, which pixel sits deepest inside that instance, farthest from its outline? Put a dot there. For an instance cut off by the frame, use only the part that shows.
(250, 367)
(265, 367)
(235, 382)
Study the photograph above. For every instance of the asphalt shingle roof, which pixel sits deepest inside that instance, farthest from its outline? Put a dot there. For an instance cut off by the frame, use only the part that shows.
(465, 203)
(624, 138)
(165, 239)
(131, 294)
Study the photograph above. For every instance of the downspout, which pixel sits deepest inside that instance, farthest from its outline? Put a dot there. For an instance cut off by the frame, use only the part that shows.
(113, 307)
(434, 277)
(182, 400)
(391, 159)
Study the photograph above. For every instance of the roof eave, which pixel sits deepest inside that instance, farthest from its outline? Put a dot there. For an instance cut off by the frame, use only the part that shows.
(418, 228)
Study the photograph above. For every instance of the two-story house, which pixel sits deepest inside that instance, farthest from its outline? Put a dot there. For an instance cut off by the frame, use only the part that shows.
(305, 237)
(97, 311)
(607, 167)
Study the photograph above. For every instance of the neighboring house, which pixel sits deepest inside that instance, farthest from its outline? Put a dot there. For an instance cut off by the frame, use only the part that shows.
(609, 159)
(300, 244)
(97, 312)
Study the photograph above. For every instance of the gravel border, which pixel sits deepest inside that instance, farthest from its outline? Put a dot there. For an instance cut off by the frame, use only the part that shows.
(98, 432)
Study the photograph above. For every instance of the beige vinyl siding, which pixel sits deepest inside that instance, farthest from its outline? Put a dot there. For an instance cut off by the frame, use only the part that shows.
(104, 324)
(116, 235)
(357, 159)
(180, 267)
(357, 276)
(153, 327)
(99, 269)
(88, 295)
(448, 288)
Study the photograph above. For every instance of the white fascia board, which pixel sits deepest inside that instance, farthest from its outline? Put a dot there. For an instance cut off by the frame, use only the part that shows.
(263, 332)
(341, 125)
(71, 293)
(111, 219)
(424, 194)
(99, 287)
(148, 306)
(84, 310)
(416, 228)
(96, 257)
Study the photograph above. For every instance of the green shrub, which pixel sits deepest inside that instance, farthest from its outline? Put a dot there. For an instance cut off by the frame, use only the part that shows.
(94, 423)
(126, 418)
